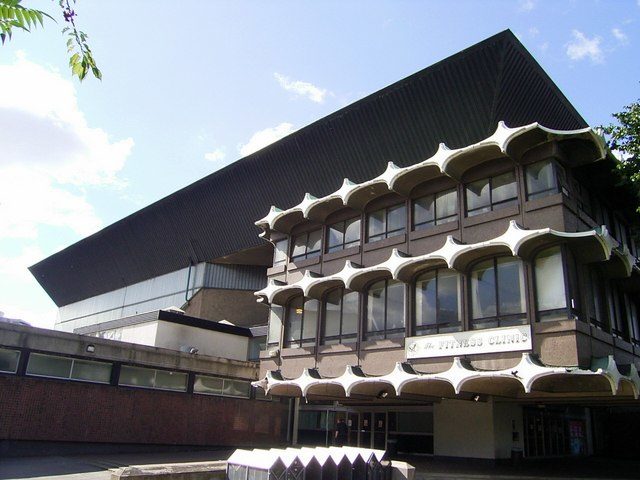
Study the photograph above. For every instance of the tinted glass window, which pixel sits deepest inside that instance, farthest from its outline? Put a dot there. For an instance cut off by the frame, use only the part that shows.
(541, 179)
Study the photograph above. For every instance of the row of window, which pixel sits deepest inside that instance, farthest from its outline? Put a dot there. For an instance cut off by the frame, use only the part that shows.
(482, 196)
(68, 368)
(496, 294)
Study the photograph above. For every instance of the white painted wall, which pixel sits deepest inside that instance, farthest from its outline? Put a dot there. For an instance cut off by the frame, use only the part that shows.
(142, 334)
(463, 429)
(225, 345)
(476, 429)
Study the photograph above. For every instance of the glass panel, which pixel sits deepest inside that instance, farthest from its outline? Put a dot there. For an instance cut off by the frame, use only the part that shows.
(503, 188)
(350, 303)
(332, 313)
(376, 222)
(275, 324)
(424, 210)
(446, 206)
(335, 237)
(9, 360)
(478, 199)
(426, 299)
(136, 376)
(294, 320)
(541, 179)
(352, 232)
(310, 325)
(510, 286)
(397, 219)
(235, 388)
(171, 380)
(395, 304)
(209, 385)
(483, 290)
(375, 307)
(313, 242)
(550, 291)
(448, 298)
(280, 252)
(91, 371)
(49, 366)
(299, 246)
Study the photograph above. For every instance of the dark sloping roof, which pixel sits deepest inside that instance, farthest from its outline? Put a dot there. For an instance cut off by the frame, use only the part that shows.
(458, 101)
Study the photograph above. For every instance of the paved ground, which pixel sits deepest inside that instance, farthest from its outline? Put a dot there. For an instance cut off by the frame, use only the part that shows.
(96, 467)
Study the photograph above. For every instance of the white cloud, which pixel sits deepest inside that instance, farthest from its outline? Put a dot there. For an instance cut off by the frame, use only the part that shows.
(544, 47)
(50, 155)
(527, 5)
(16, 267)
(304, 89)
(620, 35)
(584, 47)
(534, 32)
(265, 137)
(217, 155)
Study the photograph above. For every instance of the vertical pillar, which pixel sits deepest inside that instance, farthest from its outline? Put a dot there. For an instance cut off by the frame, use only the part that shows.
(295, 416)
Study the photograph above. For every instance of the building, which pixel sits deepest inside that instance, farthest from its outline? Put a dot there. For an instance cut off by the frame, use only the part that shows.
(475, 296)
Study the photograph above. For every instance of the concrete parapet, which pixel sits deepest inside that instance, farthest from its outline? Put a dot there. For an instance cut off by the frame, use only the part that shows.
(177, 471)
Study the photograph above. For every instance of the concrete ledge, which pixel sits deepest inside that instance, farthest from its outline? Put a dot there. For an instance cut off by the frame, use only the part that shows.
(176, 471)
(402, 470)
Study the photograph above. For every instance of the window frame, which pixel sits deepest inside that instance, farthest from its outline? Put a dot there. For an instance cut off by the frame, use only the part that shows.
(547, 191)
(554, 313)
(439, 327)
(492, 206)
(500, 320)
(344, 244)
(70, 376)
(341, 337)
(155, 376)
(300, 342)
(386, 233)
(385, 333)
(277, 262)
(308, 254)
(12, 350)
(436, 220)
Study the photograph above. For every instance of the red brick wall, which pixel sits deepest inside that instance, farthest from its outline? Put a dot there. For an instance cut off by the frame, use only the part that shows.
(52, 410)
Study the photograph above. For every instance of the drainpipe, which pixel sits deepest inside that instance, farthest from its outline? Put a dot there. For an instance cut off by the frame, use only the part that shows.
(186, 292)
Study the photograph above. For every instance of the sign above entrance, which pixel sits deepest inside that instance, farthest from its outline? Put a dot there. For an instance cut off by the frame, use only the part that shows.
(509, 339)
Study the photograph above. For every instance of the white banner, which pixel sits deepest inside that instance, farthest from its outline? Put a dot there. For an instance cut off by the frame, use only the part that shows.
(508, 339)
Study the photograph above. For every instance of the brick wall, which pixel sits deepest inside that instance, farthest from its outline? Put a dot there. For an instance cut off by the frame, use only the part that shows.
(65, 411)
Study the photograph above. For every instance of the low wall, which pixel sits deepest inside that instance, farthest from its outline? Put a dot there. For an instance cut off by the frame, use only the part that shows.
(36, 409)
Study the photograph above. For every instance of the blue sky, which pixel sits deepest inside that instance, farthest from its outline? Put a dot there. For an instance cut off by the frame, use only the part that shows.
(190, 87)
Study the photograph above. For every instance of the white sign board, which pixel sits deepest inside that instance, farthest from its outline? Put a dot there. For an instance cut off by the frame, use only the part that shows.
(508, 339)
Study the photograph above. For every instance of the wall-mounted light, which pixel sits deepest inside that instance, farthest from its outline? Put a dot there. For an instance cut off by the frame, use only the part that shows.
(382, 394)
(91, 348)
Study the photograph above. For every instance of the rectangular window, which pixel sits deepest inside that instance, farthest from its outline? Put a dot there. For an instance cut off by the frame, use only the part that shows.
(497, 293)
(152, 378)
(280, 252)
(226, 387)
(306, 245)
(550, 286)
(275, 325)
(41, 365)
(385, 310)
(491, 193)
(541, 179)
(435, 209)
(386, 222)
(9, 360)
(343, 235)
(437, 295)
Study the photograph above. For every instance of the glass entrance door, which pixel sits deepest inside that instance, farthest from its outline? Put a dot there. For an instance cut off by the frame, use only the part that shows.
(379, 430)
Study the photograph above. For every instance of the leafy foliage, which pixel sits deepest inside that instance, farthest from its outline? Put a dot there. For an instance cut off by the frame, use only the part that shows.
(13, 15)
(624, 137)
